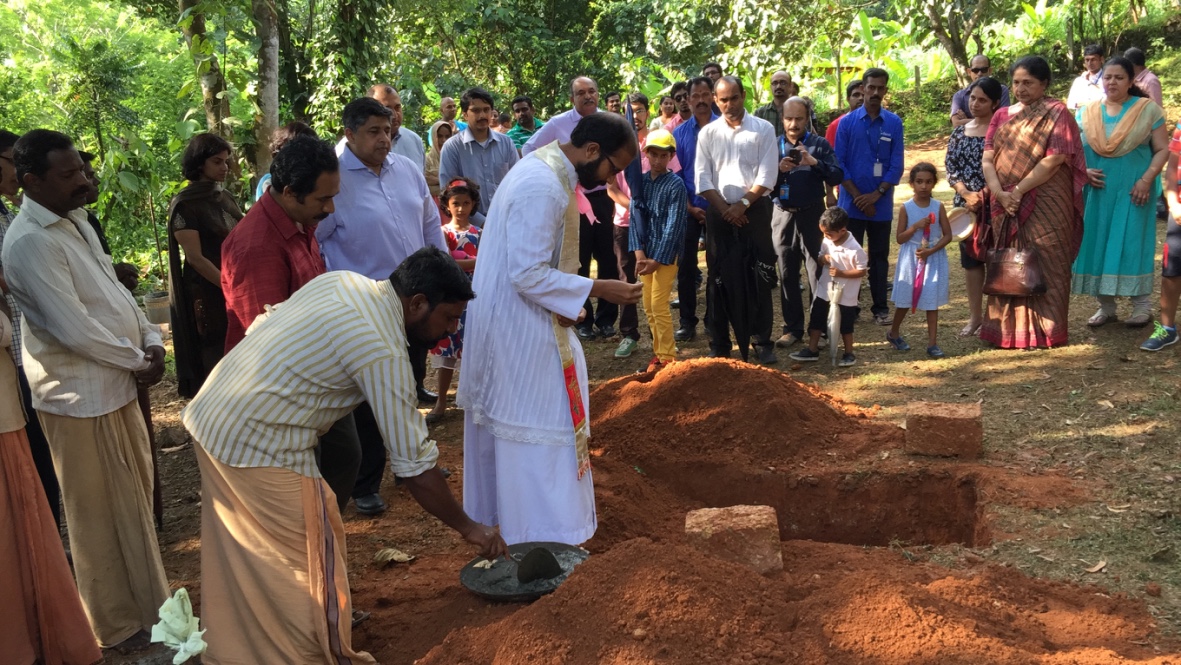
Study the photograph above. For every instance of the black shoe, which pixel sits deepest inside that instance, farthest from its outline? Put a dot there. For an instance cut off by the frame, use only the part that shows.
(766, 354)
(425, 395)
(370, 504)
(585, 333)
(675, 304)
(714, 353)
(685, 334)
(606, 332)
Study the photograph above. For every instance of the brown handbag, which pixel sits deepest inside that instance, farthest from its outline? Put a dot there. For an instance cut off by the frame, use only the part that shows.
(1013, 271)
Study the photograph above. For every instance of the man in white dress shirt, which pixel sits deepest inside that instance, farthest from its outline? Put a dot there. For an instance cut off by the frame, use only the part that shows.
(1088, 86)
(736, 167)
(405, 142)
(524, 384)
(86, 346)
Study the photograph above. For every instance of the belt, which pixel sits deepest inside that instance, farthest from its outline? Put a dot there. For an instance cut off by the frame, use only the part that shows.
(802, 208)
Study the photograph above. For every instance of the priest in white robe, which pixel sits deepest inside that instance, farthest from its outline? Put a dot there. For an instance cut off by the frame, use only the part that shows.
(524, 384)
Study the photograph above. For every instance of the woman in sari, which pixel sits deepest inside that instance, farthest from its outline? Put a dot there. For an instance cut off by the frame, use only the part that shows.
(965, 174)
(1035, 170)
(200, 217)
(1126, 145)
(42, 616)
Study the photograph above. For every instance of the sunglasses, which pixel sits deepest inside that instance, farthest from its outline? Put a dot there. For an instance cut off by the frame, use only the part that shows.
(980, 70)
(681, 97)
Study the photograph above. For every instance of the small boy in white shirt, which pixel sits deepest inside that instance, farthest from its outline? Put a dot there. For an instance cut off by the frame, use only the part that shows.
(847, 263)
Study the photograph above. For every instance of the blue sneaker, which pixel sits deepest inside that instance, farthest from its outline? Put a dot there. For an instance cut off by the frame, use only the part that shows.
(1161, 337)
(935, 351)
(898, 343)
(805, 355)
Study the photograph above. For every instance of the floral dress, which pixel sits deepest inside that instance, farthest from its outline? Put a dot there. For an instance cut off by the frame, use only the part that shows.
(463, 245)
(965, 162)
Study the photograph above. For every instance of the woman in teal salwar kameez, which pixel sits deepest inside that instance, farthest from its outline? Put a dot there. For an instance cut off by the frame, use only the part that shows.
(1125, 143)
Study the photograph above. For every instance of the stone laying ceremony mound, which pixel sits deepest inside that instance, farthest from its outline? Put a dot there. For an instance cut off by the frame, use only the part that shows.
(852, 511)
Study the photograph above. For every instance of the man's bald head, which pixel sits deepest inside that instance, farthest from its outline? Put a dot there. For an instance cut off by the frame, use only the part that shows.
(387, 95)
(584, 95)
(796, 114)
(447, 109)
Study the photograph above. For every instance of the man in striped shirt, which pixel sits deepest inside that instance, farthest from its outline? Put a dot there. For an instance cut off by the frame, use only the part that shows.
(274, 586)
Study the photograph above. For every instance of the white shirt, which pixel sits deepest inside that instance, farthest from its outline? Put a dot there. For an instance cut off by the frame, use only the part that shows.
(1084, 90)
(557, 128)
(732, 160)
(847, 256)
(82, 331)
(409, 145)
(512, 382)
(338, 341)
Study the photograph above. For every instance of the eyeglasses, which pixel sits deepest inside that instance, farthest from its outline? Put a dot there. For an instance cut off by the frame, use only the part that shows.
(614, 168)
(980, 70)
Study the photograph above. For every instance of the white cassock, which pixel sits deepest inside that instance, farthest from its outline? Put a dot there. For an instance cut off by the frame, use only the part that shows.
(520, 461)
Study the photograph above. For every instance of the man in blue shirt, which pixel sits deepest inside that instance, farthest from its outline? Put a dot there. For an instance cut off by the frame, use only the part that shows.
(870, 151)
(701, 99)
(978, 66)
(478, 152)
(384, 213)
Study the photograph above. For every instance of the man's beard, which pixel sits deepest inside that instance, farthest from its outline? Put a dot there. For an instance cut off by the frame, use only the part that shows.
(587, 174)
(416, 336)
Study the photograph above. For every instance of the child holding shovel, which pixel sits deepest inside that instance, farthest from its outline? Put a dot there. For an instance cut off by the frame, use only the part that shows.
(846, 262)
(920, 279)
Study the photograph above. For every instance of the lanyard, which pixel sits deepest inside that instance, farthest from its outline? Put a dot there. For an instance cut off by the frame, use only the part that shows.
(881, 132)
(783, 144)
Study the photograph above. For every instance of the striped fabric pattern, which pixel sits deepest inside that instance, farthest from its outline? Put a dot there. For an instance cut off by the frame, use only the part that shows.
(339, 341)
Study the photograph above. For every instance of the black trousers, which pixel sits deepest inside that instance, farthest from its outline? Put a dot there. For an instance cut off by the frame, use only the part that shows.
(339, 456)
(418, 363)
(373, 454)
(741, 266)
(629, 318)
(797, 238)
(687, 272)
(39, 448)
(597, 241)
(879, 259)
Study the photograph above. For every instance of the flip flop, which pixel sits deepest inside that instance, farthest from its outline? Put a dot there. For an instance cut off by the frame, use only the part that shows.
(1101, 318)
(970, 330)
(359, 617)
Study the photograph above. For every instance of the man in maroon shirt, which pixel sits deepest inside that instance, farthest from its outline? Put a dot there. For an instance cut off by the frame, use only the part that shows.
(273, 250)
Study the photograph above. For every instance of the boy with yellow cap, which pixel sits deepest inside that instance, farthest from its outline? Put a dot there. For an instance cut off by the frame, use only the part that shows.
(656, 236)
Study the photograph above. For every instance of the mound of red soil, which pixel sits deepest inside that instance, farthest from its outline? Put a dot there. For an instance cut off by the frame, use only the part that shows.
(646, 603)
(727, 410)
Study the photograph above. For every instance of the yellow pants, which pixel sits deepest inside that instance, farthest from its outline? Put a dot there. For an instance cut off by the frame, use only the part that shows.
(658, 286)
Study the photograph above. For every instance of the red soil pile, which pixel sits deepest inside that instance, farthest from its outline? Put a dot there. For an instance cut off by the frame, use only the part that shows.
(645, 603)
(715, 410)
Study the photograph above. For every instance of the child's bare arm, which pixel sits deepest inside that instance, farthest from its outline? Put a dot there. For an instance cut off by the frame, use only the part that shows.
(902, 233)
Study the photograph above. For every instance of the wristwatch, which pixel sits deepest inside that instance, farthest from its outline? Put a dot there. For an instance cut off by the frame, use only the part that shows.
(883, 188)
(745, 203)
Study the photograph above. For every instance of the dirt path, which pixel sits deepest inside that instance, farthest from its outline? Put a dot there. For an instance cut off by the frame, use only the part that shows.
(1098, 412)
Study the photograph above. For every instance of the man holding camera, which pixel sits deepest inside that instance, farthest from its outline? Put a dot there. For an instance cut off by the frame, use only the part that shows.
(807, 167)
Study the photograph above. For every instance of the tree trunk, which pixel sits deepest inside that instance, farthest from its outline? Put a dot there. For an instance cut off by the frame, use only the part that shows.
(266, 23)
(293, 63)
(213, 83)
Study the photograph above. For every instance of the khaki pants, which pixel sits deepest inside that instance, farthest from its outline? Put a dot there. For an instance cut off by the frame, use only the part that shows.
(104, 465)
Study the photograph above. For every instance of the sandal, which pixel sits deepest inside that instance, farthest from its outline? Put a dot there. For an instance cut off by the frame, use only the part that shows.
(1101, 318)
(359, 617)
(1139, 319)
(434, 417)
(971, 330)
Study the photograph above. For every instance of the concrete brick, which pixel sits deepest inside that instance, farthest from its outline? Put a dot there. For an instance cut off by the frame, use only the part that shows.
(944, 430)
(747, 535)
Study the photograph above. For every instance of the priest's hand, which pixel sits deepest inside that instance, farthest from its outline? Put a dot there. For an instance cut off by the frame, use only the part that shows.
(155, 371)
(566, 323)
(488, 540)
(616, 291)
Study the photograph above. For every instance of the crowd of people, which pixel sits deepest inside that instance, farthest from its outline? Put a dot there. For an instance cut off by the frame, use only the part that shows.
(303, 327)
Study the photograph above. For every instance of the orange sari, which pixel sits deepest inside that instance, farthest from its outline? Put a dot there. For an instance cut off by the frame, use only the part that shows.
(1050, 220)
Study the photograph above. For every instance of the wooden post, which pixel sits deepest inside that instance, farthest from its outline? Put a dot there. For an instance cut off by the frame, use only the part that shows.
(1070, 41)
(840, 101)
(918, 84)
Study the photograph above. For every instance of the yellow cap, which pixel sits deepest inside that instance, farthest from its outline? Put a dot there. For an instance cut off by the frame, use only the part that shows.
(661, 138)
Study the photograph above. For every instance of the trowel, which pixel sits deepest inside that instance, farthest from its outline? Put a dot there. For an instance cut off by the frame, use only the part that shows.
(537, 564)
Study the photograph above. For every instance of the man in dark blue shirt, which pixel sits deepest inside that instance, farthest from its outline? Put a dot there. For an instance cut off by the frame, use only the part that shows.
(870, 151)
(701, 99)
(807, 167)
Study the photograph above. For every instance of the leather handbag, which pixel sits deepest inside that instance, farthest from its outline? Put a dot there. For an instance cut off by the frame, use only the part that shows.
(1014, 271)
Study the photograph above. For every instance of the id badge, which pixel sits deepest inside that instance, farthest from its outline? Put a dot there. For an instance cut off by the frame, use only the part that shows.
(877, 169)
